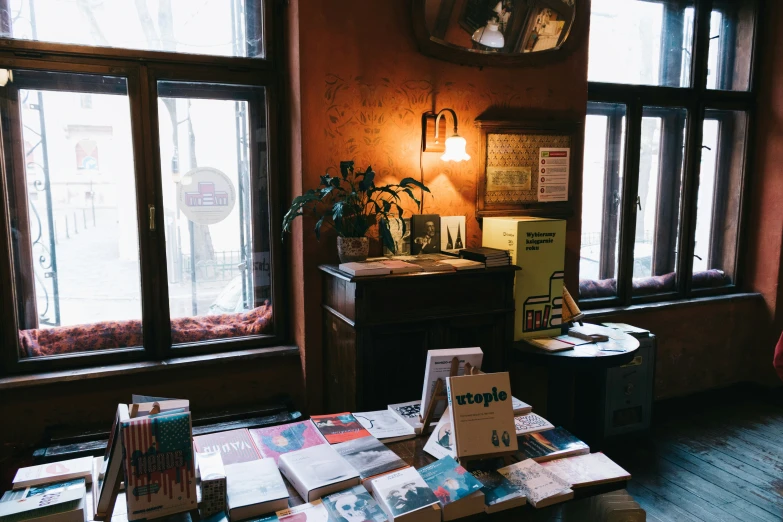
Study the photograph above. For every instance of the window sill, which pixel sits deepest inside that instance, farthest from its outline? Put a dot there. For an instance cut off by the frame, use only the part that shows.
(598, 313)
(40, 379)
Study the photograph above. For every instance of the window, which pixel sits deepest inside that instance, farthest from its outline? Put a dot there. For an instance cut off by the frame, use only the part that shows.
(665, 148)
(138, 194)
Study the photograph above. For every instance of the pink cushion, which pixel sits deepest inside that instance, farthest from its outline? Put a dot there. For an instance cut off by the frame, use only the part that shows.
(121, 334)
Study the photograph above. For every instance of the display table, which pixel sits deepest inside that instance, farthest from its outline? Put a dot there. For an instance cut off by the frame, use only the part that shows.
(574, 379)
(411, 451)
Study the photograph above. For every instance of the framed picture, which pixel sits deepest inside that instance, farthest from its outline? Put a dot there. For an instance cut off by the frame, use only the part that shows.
(401, 233)
(525, 168)
(452, 234)
(425, 234)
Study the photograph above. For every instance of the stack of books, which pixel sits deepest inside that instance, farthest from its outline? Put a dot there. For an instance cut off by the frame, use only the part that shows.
(491, 257)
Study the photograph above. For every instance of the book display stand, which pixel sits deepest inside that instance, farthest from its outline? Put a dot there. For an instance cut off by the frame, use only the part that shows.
(440, 392)
(438, 396)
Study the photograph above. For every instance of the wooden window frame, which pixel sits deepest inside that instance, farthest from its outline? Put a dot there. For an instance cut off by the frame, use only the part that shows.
(142, 71)
(697, 100)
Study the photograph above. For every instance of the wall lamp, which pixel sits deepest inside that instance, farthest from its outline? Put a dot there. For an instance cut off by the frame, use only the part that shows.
(433, 132)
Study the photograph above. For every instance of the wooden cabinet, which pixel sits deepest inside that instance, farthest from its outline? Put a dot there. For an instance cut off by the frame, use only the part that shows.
(377, 330)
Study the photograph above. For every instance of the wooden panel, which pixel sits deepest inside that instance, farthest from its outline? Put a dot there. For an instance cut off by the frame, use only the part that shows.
(340, 295)
(340, 378)
(390, 300)
(486, 331)
(393, 360)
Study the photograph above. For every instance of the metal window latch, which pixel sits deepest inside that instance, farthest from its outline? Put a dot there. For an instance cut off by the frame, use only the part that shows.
(639, 202)
(152, 217)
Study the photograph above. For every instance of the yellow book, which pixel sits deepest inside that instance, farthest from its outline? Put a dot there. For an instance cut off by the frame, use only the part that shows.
(537, 246)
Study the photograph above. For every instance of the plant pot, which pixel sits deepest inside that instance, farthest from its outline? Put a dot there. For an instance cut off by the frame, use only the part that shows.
(352, 249)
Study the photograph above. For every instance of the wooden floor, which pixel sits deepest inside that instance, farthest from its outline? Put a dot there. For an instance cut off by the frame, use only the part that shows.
(713, 457)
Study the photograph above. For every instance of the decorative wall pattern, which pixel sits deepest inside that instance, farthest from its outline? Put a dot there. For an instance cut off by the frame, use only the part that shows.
(378, 123)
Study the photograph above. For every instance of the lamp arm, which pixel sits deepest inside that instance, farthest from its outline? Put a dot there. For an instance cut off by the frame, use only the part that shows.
(438, 117)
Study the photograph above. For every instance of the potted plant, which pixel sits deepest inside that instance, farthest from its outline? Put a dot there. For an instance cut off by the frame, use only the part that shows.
(352, 204)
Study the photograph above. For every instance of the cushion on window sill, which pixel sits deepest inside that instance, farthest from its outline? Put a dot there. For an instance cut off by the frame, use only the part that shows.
(120, 334)
(589, 289)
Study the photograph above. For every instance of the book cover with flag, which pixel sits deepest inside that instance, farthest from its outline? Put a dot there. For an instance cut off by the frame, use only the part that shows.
(160, 477)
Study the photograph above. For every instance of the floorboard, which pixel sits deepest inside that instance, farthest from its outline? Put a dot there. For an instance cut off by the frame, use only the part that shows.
(712, 457)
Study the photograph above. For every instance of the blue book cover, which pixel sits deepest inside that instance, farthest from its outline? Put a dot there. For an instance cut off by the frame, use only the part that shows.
(496, 487)
(160, 477)
(448, 480)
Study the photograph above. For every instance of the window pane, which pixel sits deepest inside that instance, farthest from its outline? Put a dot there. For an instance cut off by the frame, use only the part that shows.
(73, 212)
(213, 154)
(731, 45)
(720, 187)
(641, 42)
(601, 199)
(658, 204)
(212, 27)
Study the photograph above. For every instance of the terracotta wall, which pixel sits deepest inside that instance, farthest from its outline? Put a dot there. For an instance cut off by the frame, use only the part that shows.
(362, 89)
(765, 245)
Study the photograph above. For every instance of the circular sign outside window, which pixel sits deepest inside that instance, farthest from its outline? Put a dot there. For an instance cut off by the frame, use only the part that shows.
(208, 197)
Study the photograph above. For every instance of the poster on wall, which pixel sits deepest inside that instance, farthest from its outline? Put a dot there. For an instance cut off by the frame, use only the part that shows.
(208, 197)
(553, 169)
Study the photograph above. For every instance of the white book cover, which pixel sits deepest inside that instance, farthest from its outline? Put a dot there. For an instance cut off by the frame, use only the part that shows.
(439, 367)
(254, 482)
(531, 423)
(369, 456)
(402, 492)
(385, 425)
(520, 407)
(365, 269)
(441, 441)
(481, 415)
(315, 467)
(452, 234)
(587, 470)
(54, 472)
(410, 412)
(314, 511)
(535, 481)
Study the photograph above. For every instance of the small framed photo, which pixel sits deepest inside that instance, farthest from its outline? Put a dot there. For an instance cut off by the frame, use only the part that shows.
(425, 234)
(452, 237)
(401, 233)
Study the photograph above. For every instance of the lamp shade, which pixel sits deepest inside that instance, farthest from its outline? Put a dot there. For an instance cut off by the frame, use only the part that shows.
(455, 149)
(489, 36)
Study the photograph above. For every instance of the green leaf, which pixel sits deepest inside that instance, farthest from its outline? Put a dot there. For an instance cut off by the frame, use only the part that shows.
(385, 190)
(386, 237)
(367, 180)
(386, 206)
(411, 181)
(409, 192)
(318, 227)
(346, 167)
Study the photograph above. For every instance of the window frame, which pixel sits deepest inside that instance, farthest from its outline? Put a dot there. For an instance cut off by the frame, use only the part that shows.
(696, 99)
(142, 71)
